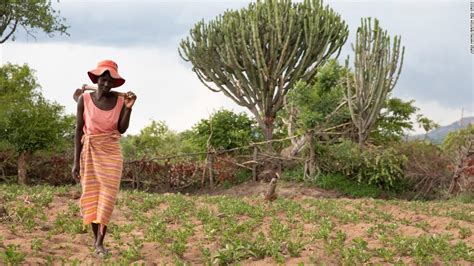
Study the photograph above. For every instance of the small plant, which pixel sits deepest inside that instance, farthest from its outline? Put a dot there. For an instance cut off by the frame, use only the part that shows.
(210, 222)
(178, 246)
(259, 248)
(464, 232)
(26, 215)
(43, 198)
(75, 262)
(65, 222)
(333, 245)
(73, 208)
(423, 225)
(452, 225)
(114, 230)
(325, 229)
(133, 251)
(156, 230)
(461, 250)
(295, 247)
(279, 231)
(386, 254)
(36, 244)
(230, 253)
(13, 255)
(205, 253)
(127, 228)
(49, 260)
(358, 252)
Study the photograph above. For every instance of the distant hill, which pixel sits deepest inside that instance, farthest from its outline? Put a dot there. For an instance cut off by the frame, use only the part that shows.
(438, 135)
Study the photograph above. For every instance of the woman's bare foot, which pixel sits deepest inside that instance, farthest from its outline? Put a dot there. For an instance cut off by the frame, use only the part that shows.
(101, 252)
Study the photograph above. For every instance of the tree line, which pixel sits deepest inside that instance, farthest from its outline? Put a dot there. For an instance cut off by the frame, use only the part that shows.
(277, 59)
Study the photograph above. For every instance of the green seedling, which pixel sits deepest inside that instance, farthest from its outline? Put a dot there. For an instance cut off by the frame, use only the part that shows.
(13, 255)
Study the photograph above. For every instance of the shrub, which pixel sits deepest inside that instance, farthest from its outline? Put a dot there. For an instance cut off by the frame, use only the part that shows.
(8, 163)
(53, 168)
(342, 158)
(347, 186)
(459, 145)
(383, 167)
(380, 166)
(426, 168)
(456, 139)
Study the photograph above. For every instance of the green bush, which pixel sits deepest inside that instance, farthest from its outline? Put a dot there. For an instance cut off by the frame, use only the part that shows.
(343, 158)
(295, 173)
(465, 197)
(379, 166)
(337, 182)
(349, 187)
(154, 140)
(382, 167)
(224, 130)
(456, 139)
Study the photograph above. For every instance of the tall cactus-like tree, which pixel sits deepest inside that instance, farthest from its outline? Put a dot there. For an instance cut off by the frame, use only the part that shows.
(255, 55)
(377, 66)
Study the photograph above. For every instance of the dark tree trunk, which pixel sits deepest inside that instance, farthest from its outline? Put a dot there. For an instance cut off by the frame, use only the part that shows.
(362, 138)
(268, 132)
(22, 159)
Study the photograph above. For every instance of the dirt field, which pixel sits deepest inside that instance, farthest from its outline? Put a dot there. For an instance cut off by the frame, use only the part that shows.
(304, 226)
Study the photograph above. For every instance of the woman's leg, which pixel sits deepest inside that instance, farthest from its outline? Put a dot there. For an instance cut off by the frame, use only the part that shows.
(95, 229)
(99, 243)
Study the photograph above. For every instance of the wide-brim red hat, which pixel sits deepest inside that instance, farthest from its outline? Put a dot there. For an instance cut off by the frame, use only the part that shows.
(102, 66)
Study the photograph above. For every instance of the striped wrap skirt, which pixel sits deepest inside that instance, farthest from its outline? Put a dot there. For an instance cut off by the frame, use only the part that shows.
(101, 165)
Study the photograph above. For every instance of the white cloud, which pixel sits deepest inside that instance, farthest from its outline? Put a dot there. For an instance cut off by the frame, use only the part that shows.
(166, 87)
(439, 114)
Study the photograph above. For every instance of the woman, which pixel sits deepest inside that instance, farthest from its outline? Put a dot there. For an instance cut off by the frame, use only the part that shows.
(102, 116)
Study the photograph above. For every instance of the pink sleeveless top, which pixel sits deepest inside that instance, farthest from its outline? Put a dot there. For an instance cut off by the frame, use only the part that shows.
(98, 121)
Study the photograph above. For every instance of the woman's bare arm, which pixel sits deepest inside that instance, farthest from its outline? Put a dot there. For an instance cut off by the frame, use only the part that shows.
(78, 136)
(124, 119)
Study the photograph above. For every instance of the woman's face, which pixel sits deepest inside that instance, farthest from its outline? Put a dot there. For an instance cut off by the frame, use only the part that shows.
(105, 82)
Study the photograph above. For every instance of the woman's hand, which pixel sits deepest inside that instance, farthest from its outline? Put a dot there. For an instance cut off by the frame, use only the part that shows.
(130, 98)
(75, 172)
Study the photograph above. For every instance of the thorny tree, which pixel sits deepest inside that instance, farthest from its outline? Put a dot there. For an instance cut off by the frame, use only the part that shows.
(256, 55)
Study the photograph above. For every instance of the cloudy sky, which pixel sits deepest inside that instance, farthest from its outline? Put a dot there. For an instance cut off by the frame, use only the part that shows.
(143, 38)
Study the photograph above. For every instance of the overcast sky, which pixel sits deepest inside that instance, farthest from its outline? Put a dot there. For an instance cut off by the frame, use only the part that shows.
(143, 38)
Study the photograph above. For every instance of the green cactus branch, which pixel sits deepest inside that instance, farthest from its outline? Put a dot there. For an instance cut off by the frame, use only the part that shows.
(255, 55)
(377, 67)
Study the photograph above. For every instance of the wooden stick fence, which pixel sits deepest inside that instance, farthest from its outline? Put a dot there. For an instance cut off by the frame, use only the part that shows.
(256, 158)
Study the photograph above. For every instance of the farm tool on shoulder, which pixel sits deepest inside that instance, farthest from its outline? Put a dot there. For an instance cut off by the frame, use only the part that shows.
(85, 87)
